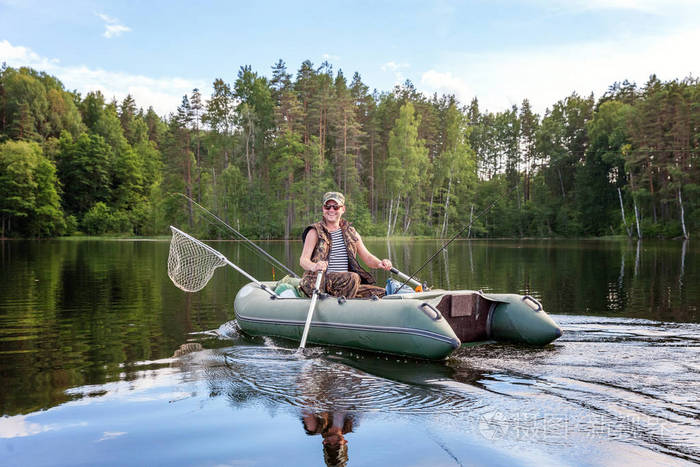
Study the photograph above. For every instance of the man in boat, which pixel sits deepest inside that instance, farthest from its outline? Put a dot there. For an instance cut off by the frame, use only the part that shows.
(332, 245)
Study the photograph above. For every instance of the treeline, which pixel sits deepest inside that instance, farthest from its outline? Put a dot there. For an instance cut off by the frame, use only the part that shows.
(260, 152)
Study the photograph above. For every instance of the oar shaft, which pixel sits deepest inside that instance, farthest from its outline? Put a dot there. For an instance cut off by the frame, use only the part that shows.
(310, 314)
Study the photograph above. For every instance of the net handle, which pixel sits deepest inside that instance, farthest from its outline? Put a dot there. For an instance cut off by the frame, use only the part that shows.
(225, 260)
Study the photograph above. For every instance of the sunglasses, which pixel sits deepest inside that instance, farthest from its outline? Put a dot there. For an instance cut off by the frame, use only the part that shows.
(328, 207)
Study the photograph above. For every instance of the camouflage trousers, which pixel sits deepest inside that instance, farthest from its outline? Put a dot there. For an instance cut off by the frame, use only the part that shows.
(341, 284)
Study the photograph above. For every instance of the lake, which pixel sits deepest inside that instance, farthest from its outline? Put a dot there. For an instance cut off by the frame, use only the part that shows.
(104, 362)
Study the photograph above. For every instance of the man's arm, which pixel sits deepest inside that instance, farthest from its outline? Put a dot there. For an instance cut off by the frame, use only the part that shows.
(305, 258)
(369, 259)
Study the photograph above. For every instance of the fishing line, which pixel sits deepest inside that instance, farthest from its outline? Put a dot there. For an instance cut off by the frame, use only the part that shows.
(483, 211)
(247, 244)
(256, 249)
(201, 215)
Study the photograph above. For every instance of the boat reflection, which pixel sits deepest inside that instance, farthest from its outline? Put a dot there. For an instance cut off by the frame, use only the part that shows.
(329, 391)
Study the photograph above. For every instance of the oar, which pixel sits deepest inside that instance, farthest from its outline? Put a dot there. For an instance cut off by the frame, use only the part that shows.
(311, 310)
(406, 278)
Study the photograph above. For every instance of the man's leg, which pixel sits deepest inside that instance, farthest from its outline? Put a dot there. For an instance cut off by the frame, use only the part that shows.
(342, 284)
(366, 291)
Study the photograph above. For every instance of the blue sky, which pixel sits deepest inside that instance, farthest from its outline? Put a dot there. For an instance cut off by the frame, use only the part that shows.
(497, 51)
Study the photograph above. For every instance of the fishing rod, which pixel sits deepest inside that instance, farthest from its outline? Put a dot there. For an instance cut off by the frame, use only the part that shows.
(412, 277)
(258, 249)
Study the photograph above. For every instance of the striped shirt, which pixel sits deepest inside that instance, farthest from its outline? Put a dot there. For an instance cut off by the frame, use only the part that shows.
(338, 259)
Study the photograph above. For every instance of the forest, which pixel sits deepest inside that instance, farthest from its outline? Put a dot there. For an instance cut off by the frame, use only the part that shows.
(260, 152)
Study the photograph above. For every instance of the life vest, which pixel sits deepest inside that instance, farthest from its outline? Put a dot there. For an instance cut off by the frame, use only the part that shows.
(322, 250)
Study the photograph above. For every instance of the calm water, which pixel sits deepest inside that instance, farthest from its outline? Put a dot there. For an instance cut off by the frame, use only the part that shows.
(104, 362)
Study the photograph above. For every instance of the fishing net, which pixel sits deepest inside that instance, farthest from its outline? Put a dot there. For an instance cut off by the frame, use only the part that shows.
(191, 263)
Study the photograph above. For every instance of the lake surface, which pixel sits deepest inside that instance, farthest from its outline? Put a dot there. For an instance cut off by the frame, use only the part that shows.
(104, 362)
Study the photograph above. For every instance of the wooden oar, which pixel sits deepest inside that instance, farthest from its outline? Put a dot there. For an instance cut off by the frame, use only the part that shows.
(314, 297)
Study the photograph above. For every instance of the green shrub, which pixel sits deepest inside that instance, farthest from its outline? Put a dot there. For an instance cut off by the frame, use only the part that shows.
(651, 229)
(98, 219)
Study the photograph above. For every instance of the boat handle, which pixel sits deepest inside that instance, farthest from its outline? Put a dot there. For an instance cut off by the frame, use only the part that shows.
(532, 303)
(433, 312)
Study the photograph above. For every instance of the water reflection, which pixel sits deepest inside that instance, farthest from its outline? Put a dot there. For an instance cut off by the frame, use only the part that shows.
(328, 390)
(447, 269)
(332, 426)
(588, 390)
(682, 272)
(588, 396)
(87, 313)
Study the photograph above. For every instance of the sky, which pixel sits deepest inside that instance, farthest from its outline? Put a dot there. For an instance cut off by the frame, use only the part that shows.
(499, 51)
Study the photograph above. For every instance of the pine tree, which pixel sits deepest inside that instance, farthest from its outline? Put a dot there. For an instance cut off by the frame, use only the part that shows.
(127, 114)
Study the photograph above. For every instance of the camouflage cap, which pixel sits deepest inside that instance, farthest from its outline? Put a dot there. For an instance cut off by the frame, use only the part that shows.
(335, 196)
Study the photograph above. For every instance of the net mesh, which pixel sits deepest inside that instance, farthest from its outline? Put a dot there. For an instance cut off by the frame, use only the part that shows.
(191, 263)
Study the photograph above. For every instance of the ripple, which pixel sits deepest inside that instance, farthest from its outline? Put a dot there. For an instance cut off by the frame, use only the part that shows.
(229, 330)
(594, 385)
(274, 376)
(633, 381)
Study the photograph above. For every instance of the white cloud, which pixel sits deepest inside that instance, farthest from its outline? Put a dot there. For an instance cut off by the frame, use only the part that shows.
(18, 54)
(111, 435)
(107, 19)
(645, 6)
(393, 66)
(17, 426)
(115, 30)
(395, 69)
(329, 57)
(113, 27)
(546, 75)
(447, 83)
(163, 94)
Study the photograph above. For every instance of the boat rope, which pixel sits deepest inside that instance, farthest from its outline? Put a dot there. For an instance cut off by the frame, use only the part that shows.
(256, 248)
(468, 226)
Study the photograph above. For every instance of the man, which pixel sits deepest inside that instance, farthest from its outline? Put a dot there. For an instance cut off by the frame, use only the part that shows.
(332, 246)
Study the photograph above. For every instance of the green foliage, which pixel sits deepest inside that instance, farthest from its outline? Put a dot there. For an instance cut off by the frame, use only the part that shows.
(97, 220)
(71, 224)
(29, 200)
(361, 219)
(83, 168)
(407, 165)
(261, 152)
(101, 219)
(34, 106)
(597, 179)
(408, 150)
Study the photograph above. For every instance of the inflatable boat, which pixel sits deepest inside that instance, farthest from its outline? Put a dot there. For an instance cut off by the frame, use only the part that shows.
(427, 325)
